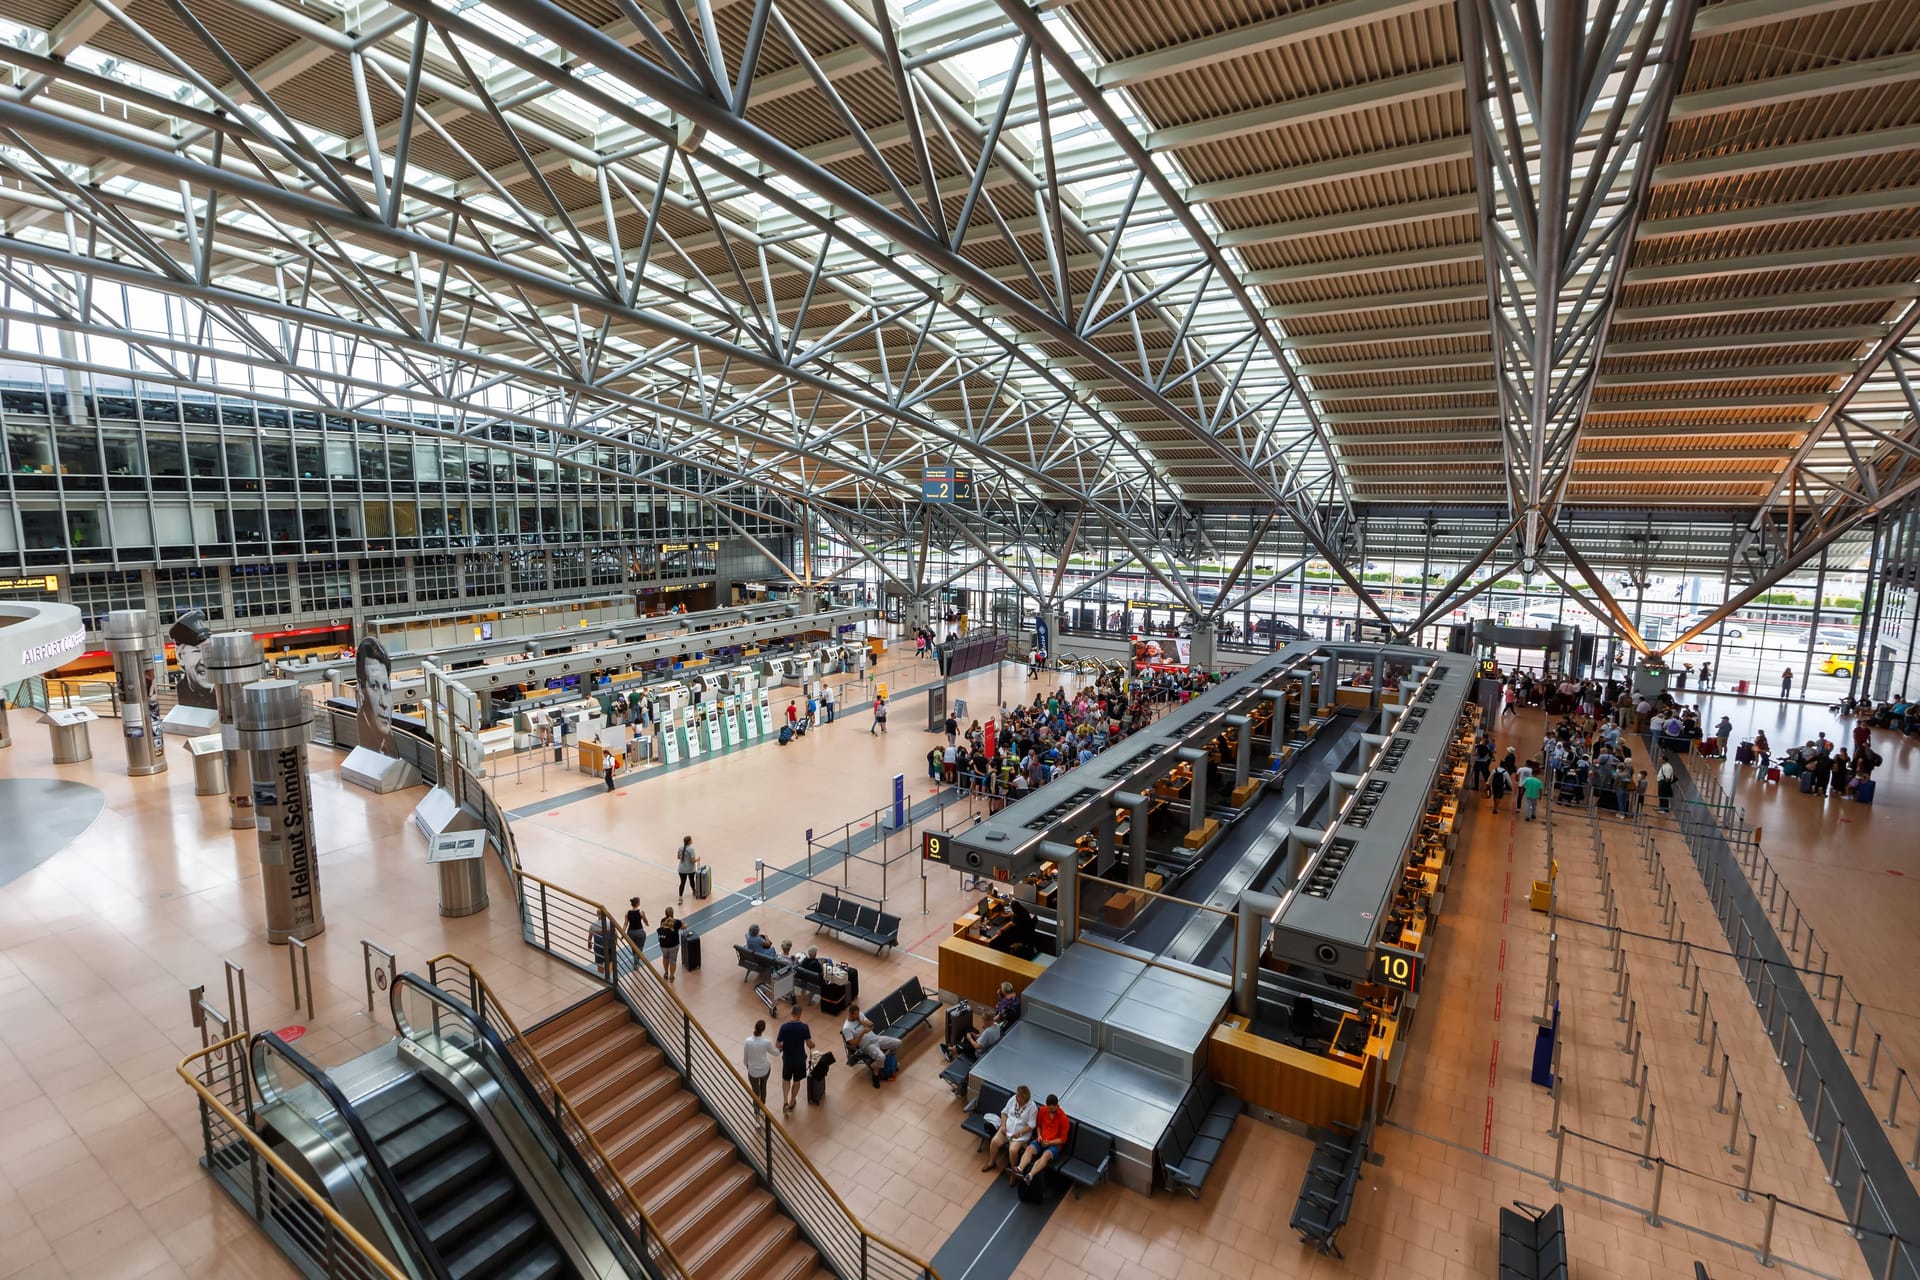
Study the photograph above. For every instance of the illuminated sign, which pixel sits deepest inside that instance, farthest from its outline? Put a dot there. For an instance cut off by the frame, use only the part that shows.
(48, 583)
(933, 846)
(1394, 967)
(946, 484)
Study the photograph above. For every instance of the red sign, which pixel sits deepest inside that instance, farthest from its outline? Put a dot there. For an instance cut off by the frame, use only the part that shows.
(291, 1033)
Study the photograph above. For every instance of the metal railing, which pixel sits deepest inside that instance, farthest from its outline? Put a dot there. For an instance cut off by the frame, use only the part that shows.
(260, 1182)
(584, 934)
(1867, 1053)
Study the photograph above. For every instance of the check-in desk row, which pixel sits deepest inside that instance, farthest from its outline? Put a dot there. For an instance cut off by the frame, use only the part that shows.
(1398, 855)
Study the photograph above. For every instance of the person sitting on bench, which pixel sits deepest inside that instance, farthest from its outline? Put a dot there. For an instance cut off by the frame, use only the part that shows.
(978, 1042)
(865, 1045)
(1014, 1127)
(1050, 1128)
(758, 942)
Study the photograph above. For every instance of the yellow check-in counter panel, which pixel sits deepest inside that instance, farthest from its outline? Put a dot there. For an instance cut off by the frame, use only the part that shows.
(974, 971)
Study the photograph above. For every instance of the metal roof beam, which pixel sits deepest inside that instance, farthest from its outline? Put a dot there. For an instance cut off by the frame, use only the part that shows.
(1400, 260)
(1390, 364)
(1314, 107)
(1701, 308)
(1400, 301)
(1842, 77)
(1772, 215)
(1294, 28)
(1735, 164)
(1813, 255)
(1727, 373)
(1339, 169)
(1395, 336)
(1744, 15)
(1849, 333)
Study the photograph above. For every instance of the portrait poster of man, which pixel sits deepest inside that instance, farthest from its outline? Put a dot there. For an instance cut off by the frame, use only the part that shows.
(373, 673)
(190, 633)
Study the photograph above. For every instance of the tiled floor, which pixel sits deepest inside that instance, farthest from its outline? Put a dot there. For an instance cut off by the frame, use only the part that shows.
(97, 948)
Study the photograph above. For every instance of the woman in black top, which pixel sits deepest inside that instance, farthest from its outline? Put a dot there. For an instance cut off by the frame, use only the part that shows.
(669, 935)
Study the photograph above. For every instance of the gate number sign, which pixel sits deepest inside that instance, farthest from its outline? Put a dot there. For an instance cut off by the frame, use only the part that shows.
(1394, 967)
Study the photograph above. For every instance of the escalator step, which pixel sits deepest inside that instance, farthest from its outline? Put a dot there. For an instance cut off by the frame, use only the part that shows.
(433, 1182)
(483, 1254)
(453, 1223)
(426, 1138)
(541, 1262)
(397, 1106)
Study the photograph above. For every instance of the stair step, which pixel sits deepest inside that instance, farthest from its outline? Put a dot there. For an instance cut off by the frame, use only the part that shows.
(628, 1090)
(557, 1024)
(581, 1037)
(668, 1194)
(627, 1045)
(794, 1260)
(733, 1246)
(639, 1165)
(643, 1125)
(433, 1182)
(696, 1198)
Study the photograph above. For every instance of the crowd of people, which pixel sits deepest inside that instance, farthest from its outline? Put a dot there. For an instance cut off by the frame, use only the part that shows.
(1027, 746)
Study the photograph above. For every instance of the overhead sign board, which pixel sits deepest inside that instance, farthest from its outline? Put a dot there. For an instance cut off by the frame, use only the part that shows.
(946, 484)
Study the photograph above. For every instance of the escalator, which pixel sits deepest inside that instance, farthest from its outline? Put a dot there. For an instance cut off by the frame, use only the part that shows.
(431, 1146)
(472, 1212)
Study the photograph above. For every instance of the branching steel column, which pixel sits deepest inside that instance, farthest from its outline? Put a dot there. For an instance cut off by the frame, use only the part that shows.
(1568, 104)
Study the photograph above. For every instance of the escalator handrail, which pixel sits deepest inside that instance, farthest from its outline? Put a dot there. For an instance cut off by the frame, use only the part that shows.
(465, 1012)
(389, 1185)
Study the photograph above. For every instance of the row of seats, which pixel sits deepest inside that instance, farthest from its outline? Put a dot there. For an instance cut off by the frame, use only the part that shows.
(1326, 1192)
(1533, 1243)
(1187, 1151)
(1089, 1151)
(907, 1009)
(849, 918)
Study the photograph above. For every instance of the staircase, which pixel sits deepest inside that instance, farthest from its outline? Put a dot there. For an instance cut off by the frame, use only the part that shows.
(702, 1197)
(476, 1217)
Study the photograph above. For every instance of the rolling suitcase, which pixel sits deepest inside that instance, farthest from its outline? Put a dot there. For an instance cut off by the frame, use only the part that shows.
(690, 950)
(1863, 791)
(1744, 754)
(786, 734)
(959, 1023)
(1806, 782)
(703, 881)
(817, 1079)
(1773, 773)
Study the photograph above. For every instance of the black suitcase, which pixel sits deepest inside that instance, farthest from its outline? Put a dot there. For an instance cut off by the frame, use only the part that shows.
(959, 1024)
(1033, 1190)
(1806, 782)
(690, 950)
(817, 1080)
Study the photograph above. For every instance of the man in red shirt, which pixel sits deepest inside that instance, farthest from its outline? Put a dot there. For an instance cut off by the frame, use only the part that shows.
(1048, 1143)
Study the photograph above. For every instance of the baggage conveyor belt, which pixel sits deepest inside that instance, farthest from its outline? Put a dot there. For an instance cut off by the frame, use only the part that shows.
(1248, 853)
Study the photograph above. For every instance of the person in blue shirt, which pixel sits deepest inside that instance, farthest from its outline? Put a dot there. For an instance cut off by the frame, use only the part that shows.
(758, 942)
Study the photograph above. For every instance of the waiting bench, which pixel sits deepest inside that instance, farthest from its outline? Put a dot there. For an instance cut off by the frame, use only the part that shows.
(1187, 1151)
(852, 919)
(1533, 1243)
(1326, 1192)
(907, 1009)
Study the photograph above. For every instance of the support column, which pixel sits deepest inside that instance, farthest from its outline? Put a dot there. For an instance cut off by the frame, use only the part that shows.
(1279, 698)
(272, 727)
(233, 662)
(1328, 672)
(1255, 910)
(917, 613)
(809, 600)
(1200, 828)
(1136, 837)
(1242, 759)
(1203, 651)
(1104, 840)
(1067, 894)
(132, 640)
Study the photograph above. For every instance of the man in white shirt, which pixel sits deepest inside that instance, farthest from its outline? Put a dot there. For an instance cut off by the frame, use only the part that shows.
(1015, 1128)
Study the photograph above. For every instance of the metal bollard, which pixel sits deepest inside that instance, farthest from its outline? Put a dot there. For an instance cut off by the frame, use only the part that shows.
(1640, 1104)
(1700, 1032)
(1726, 1074)
(1800, 1070)
(1853, 1219)
(1753, 1155)
(1659, 1177)
(1859, 1012)
(1626, 995)
(1633, 1025)
(1713, 1047)
(1819, 1104)
(1833, 1161)
(1646, 1152)
(1633, 1067)
(1893, 1108)
(1766, 1231)
(1873, 1059)
(1739, 1113)
(1913, 1161)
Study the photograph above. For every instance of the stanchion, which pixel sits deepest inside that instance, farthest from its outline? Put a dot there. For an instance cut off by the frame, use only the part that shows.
(1766, 1231)
(1713, 1045)
(1819, 1103)
(1753, 1155)
(1640, 1099)
(1733, 1132)
(1726, 1074)
(1633, 1026)
(1659, 1178)
(1893, 1108)
(1646, 1152)
(1833, 1161)
(298, 957)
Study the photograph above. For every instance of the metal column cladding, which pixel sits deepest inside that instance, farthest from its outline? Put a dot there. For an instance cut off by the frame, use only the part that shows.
(233, 662)
(133, 640)
(272, 728)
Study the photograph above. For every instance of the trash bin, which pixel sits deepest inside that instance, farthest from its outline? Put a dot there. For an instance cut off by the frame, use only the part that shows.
(463, 886)
(68, 729)
(209, 765)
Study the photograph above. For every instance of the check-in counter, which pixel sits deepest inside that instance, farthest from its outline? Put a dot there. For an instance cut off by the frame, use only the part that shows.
(974, 971)
(1315, 1089)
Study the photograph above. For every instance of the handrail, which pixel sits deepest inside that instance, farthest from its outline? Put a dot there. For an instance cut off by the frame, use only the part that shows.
(694, 1032)
(488, 1005)
(369, 1153)
(376, 1262)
